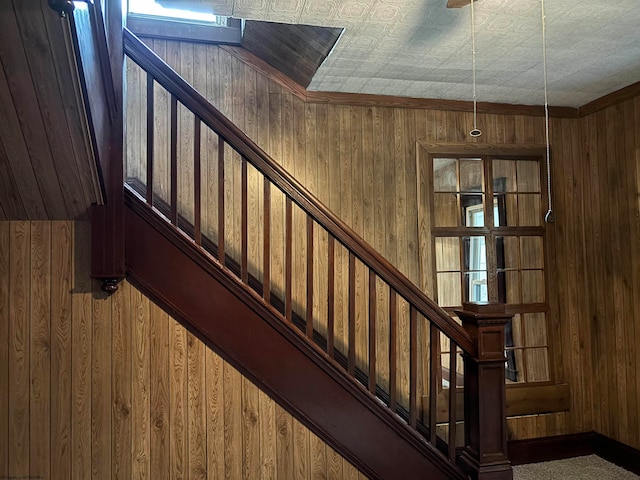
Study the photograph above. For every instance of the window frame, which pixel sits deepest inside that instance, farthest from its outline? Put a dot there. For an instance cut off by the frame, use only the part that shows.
(487, 152)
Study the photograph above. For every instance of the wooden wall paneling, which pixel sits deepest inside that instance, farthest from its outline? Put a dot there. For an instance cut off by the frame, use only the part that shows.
(563, 259)
(299, 168)
(215, 415)
(607, 382)
(357, 223)
(233, 427)
(592, 241)
(318, 453)
(378, 239)
(558, 268)
(255, 185)
(268, 434)
(142, 397)
(196, 408)
(581, 351)
(137, 313)
(159, 394)
(101, 361)
(33, 131)
(615, 338)
(16, 151)
(185, 139)
(237, 114)
(81, 339)
(284, 444)
(622, 293)
(61, 347)
(632, 202)
(5, 253)
(210, 149)
(261, 134)
(400, 134)
(33, 33)
(124, 344)
(70, 89)
(40, 351)
(10, 201)
(132, 121)
(161, 174)
(178, 419)
(629, 241)
(19, 348)
(342, 256)
(251, 417)
(276, 145)
(334, 464)
(321, 242)
(233, 454)
(301, 451)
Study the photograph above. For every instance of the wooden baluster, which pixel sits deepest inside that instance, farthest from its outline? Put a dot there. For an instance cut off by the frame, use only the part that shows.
(174, 160)
(352, 314)
(330, 296)
(149, 139)
(197, 228)
(433, 380)
(393, 349)
(413, 365)
(372, 332)
(309, 277)
(221, 255)
(244, 270)
(453, 374)
(266, 245)
(288, 304)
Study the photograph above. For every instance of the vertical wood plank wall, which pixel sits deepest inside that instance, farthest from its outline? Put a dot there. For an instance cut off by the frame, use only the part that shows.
(611, 181)
(361, 162)
(95, 387)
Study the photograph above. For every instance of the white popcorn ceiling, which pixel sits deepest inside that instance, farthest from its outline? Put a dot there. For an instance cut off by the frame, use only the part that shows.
(420, 48)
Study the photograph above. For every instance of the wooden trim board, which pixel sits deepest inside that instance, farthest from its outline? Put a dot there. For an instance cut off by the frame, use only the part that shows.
(521, 400)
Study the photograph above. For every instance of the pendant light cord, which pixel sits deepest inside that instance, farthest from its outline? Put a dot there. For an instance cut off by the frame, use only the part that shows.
(473, 61)
(549, 217)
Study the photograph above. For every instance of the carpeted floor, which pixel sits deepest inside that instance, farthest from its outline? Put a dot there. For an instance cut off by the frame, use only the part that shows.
(590, 467)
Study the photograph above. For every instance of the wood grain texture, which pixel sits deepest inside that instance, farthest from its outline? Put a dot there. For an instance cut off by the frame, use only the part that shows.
(113, 409)
(5, 245)
(591, 336)
(49, 169)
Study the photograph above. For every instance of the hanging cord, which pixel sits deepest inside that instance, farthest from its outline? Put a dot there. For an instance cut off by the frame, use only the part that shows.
(549, 217)
(475, 132)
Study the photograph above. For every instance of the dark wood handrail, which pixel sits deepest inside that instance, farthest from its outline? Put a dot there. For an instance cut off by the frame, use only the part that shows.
(214, 119)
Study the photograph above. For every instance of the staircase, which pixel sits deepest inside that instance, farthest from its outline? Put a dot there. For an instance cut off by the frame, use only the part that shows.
(314, 316)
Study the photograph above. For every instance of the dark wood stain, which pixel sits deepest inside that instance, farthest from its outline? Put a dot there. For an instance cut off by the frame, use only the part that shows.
(295, 50)
(49, 169)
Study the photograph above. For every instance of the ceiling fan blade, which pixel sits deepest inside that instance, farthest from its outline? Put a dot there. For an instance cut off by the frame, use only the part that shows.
(458, 3)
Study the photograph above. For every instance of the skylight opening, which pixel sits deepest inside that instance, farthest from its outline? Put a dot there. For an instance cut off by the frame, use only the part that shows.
(152, 9)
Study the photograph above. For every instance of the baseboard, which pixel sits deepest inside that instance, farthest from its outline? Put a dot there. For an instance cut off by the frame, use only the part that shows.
(575, 445)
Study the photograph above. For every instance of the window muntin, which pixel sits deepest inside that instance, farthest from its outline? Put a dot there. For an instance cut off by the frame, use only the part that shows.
(494, 252)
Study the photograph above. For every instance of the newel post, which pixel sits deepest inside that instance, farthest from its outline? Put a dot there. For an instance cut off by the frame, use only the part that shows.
(485, 453)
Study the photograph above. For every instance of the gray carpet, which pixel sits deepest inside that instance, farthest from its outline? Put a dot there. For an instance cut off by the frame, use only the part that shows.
(590, 467)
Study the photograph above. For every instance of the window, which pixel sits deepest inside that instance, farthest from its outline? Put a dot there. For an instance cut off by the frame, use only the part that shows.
(154, 9)
(488, 240)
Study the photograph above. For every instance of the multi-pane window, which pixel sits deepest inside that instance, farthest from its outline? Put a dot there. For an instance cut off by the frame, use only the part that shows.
(489, 247)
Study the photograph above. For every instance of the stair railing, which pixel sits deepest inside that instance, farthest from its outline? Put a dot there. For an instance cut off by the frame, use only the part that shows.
(376, 325)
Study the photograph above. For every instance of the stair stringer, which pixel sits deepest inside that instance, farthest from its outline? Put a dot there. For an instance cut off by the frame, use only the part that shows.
(234, 321)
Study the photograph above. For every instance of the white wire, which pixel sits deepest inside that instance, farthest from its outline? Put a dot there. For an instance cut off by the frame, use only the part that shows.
(549, 218)
(473, 56)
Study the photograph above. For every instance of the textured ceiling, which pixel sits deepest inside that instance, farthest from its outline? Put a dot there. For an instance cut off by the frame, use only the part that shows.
(419, 48)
